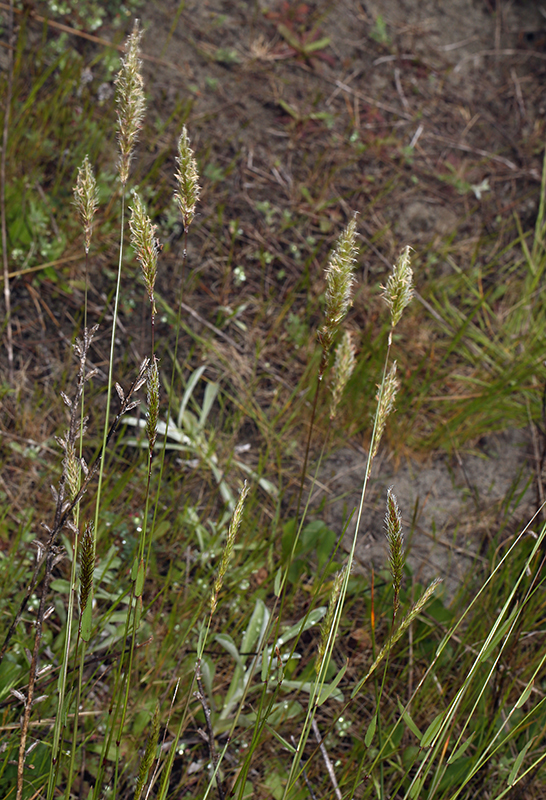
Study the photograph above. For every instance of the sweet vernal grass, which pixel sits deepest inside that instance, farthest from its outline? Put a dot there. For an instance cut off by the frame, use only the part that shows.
(488, 718)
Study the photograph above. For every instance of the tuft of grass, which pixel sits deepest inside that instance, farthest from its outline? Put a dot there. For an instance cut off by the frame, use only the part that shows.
(174, 647)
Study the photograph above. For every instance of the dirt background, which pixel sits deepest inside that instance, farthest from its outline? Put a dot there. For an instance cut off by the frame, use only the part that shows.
(458, 87)
(427, 118)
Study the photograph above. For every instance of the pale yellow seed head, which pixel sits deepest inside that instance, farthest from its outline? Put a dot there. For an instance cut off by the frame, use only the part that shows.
(130, 101)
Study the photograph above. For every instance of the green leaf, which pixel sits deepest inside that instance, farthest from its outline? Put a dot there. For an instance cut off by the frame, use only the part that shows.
(280, 739)
(409, 721)
(498, 635)
(313, 618)
(525, 695)
(308, 687)
(461, 750)
(256, 628)
(319, 44)
(368, 738)
(139, 583)
(329, 688)
(290, 37)
(211, 393)
(277, 583)
(517, 763)
(207, 673)
(415, 789)
(194, 377)
(432, 730)
(225, 640)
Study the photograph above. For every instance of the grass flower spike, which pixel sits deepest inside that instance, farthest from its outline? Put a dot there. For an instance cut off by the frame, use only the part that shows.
(87, 567)
(339, 283)
(149, 755)
(343, 368)
(385, 397)
(130, 101)
(399, 289)
(153, 402)
(228, 549)
(395, 538)
(86, 199)
(187, 178)
(145, 245)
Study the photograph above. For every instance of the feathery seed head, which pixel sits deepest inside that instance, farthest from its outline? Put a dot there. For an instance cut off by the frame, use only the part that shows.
(339, 283)
(153, 402)
(187, 178)
(86, 199)
(148, 756)
(228, 549)
(71, 467)
(385, 398)
(130, 101)
(399, 289)
(87, 565)
(145, 245)
(395, 539)
(344, 365)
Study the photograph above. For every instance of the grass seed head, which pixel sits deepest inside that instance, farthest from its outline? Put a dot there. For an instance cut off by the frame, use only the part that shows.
(187, 178)
(385, 399)
(228, 549)
(149, 755)
(153, 402)
(130, 101)
(86, 199)
(339, 284)
(344, 365)
(399, 289)
(145, 245)
(395, 539)
(87, 565)
(71, 468)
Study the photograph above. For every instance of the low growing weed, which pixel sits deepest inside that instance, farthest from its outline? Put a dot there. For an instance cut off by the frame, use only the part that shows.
(162, 654)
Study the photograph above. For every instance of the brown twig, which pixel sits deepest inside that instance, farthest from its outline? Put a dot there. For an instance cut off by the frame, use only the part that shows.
(7, 293)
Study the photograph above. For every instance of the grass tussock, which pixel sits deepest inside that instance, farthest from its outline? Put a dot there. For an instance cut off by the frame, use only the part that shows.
(160, 641)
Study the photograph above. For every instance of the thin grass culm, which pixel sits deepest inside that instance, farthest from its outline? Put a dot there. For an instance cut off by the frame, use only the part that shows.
(130, 106)
(339, 285)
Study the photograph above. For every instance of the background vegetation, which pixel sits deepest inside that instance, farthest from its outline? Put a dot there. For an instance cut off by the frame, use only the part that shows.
(152, 694)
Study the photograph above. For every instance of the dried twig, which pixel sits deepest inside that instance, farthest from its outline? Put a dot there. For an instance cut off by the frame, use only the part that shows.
(7, 293)
(326, 757)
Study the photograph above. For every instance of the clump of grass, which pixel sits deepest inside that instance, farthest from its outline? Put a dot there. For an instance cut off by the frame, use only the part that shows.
(100, 662)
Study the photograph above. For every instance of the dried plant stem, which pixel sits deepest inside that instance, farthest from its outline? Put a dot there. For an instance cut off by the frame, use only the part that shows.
(5, 263)
(127, 405)
(50, 561)
(326, 758)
